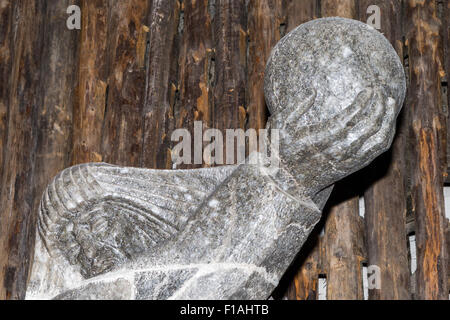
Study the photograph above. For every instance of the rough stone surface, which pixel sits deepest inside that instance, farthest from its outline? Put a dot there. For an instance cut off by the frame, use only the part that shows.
(334, 87)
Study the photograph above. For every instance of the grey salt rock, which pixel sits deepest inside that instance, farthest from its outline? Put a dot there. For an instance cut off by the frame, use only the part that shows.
(334, 88)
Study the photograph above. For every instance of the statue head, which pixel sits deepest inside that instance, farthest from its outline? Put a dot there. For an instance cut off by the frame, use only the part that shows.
(338, 58)
(336, 86)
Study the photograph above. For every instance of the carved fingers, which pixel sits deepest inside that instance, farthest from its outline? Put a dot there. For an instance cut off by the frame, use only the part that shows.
(367, 138)
(290, 117)
(332, 135)
(335, 148)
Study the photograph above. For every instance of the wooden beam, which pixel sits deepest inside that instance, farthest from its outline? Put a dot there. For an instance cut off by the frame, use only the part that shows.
(446, 38)
(424, 102)
(343, 244)
(339, 8)
(385, 199)
(157, 112)
(448, 250)
(92, 83)
(196, 69)
(446, 26)
(304, 285)
(16, 198)
(230, 42)
(6, 17)
(126, 48)
(264, 20)
(299, 12)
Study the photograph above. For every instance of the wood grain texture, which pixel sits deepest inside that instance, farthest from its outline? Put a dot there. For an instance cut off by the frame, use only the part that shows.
(446, 16)
(196, 70)
(343, 245)
(446, 25)
(446, 40)
(264, 20)
(424, 103)
(298, 12)
(16, 198)
(126, 47)
(385, 199)
(448, 250)
(304, 285)
(339, 8)
(157, 111)
(230, 41)
(6, 16)
(92, 88)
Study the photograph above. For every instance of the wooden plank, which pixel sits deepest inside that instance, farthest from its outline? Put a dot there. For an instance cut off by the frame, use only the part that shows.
(298, 12)
(343, 247)
(196, 70)
(339, 8)
(342, 261)
(157, 111)
(385, 199)
(446, 38)
(446, 16)
(92, 89)
(304, 284)
(446, 25)
(264, 20)
(424, 102)
(127, 42)
(16, 217)
(448, 250)
(230, 42)
(6, 16)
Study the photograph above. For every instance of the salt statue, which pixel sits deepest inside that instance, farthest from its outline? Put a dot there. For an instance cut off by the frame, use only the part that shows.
(334, 88)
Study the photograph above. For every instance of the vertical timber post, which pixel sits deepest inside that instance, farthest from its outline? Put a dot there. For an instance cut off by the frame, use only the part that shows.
(424, 103)
(385, 199)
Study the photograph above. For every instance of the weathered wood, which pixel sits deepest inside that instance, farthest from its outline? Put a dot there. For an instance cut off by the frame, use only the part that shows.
(424, 103)
(443, 133)
(196, 69)
(343, 263)
(127, 42)
(92, 89)
(230, 41)
(446, 38)
(16, 198)
(448, 250)
(6, 15)
(264, 20)
(157, 112)
(446, 25)
(446, 16)
(304, 285)
(339, 8)
(343, 245)
(385, 199)
(298, 12)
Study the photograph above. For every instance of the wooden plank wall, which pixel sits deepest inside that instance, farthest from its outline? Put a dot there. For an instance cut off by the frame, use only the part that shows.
(139, 69)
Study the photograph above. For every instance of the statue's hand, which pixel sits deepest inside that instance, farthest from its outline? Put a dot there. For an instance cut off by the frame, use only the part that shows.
(319, 154)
